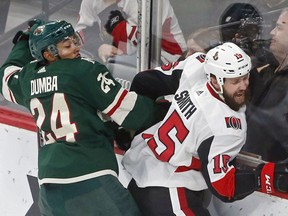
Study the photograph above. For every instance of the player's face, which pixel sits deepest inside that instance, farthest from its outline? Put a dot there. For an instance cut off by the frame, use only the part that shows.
(235, 91)
(279, 42)
(69, 48)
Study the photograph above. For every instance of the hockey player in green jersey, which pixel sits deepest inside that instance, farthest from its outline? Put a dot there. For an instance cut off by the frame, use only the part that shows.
(73, 101)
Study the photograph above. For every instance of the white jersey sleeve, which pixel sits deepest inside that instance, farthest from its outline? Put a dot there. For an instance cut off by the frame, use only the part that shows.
(88, 14)
(199, 132)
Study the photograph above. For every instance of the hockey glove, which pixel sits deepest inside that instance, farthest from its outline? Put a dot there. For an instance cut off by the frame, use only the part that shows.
(32, 25)
(123, 138)
(114, 19)
(165, 101)
(273, 177)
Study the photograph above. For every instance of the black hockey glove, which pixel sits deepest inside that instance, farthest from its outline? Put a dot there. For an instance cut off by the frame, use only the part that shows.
(165, 101)
(273, 177)
(114, 19)
(32, 25)
(123, 138)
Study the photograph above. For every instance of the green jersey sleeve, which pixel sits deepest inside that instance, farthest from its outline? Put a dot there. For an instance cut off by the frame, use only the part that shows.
(10, 71)
(107, 95)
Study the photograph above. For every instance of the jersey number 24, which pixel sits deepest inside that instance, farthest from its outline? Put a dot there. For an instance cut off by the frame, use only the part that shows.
(59, 120)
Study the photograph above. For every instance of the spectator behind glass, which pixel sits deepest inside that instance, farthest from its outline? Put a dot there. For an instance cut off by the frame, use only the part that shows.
(270, 10)
(242, 23)
(201, 40)
(164, 82)
(267, 113)
(117, 23)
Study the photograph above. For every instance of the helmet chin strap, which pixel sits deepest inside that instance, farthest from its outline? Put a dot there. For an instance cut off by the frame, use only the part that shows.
(220, 93)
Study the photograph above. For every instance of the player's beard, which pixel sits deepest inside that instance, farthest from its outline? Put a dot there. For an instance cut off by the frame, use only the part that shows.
(234, 102)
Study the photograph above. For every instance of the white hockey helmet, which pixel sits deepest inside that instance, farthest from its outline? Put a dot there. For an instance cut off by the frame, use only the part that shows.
(226, 61)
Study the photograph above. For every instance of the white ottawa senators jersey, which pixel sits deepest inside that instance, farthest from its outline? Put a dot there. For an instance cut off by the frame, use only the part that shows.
(199, 132)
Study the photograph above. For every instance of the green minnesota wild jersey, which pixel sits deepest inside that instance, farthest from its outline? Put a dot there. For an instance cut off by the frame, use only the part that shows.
(73, 102)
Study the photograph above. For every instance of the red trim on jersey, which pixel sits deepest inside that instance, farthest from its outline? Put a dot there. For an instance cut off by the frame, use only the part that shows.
(11, 96)
(195, 165)
(17, 119)
(226, 185)
(132, 32)
(183, 202)
(168, 66)
(117, 105)
(169, 44)
(10, 74)
(10, 92)
(212, 92)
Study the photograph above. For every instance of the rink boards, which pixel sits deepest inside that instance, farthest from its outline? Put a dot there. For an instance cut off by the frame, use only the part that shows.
(18, 175)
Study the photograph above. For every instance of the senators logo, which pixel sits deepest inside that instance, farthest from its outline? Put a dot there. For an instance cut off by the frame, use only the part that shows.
(216, 56)
(233, 122)
(169, 66)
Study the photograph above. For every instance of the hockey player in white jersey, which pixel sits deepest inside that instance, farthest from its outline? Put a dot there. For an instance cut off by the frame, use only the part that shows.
(193, 149)
(119, 19)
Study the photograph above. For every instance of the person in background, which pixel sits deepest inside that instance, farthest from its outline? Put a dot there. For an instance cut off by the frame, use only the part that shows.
(117, 23)
(243, 24)
(174, 162)
(267, 112)
(165, 78)
(275, 4)
(201, 40)
(270, 10)
(241, 21)
(73, 101)
(167, 81)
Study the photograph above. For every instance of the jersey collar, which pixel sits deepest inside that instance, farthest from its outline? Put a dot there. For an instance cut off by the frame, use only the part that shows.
(213, 93)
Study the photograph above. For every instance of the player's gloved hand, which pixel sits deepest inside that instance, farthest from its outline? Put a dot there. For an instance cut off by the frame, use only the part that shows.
(114, 19)
(165, 101)
(123, 138)
(24, 35)
(273, 177)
